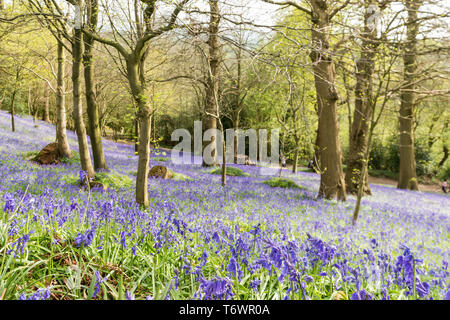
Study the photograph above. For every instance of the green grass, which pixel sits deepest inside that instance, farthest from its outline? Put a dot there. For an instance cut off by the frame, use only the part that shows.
(112, 180)
(160, 159)
(29, 154)
(282, 183)
(230, 171)
(74, 160)
(179, 176)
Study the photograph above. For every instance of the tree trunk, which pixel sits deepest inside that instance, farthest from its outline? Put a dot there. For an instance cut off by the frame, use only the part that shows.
(332, 183)
(1, 100)
(83, 147)
(144, 118)
(35, 115)
(295, 164)
(363, 109)
(13, 102)
(445, 157)
(236, 138)
(136, 133)
(407, 178)
(29, 101)
(91, 104)
(213, 73)
(61, 136)
(46, 114)
(224, 156)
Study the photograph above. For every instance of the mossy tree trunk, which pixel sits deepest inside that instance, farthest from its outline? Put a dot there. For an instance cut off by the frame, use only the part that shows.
(332, 183)
(364, 107)
(83, 146)
(13, 102)
(91, 103)
(144, 120)
(61, 135)
(407, 178)
(46, 113)
(213, 74)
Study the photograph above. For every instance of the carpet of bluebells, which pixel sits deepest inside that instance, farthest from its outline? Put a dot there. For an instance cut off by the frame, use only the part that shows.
(199, 240)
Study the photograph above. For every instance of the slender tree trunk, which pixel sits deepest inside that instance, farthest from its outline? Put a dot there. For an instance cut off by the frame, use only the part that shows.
(332, 183)
(1, 100)
(91, 104)
(46, 114)
(13, 102)
(236, 138)
(213, 72)
(136, 133)
(35, 115)
(359, 141)
(445, 157)
(83, 146)
(61, 136)
(144, 118)
(362, 177)
(29, 101)
(224, 156)
(407, 178)
(295, 164)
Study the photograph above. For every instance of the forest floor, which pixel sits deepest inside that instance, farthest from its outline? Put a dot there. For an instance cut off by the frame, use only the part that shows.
(426, 187)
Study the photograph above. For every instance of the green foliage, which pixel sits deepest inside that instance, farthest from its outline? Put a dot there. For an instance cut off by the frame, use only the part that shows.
(444, 172)
(71, 179)
(179, 176)
(377, 155)
(110, 179)
(113, 180)
(160, 159)
(386, 157)
(74, 160)
(230, 171)
(29, 154)
(383, 174)
(282, 183)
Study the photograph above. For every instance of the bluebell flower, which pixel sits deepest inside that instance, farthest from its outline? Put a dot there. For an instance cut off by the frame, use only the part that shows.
(254, 284)
(129, 295)
(40, 294)
(234, 269)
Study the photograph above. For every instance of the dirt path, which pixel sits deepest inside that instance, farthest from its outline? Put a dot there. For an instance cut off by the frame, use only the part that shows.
(422, 187)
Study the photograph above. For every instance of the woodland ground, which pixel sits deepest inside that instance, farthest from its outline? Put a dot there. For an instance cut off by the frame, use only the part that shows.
(199, 240)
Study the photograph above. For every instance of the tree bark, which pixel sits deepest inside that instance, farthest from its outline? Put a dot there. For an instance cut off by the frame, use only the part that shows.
(295, 164)
(236, 138)
(445, 157)
(364, 106)
(213, 72)
(332, 183)
(83, 146)
(13, 102)
(407, 178)
(136, 133)
(91, 104)
(144, 119)
(29, 101)
(61, 136)
(46, 113)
